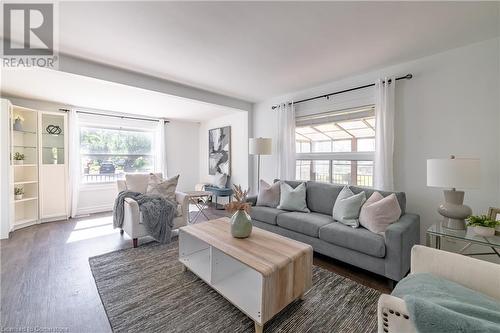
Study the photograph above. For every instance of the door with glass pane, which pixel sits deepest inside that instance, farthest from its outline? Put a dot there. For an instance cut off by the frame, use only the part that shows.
(53, 166)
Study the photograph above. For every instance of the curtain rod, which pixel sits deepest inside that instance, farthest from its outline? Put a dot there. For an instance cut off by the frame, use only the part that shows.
(116, 116)
(407, 76)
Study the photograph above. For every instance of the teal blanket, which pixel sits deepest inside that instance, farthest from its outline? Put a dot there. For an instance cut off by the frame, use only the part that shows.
(439, 305)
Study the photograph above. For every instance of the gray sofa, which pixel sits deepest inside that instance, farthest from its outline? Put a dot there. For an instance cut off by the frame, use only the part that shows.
(388, 256)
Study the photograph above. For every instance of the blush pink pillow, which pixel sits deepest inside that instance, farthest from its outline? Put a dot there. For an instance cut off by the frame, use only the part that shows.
(378, 212)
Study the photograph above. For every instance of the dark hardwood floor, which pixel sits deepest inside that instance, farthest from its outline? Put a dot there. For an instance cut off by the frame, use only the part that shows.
(46, 282)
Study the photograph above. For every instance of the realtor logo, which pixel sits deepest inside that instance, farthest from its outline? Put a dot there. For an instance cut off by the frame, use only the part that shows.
(28, 35)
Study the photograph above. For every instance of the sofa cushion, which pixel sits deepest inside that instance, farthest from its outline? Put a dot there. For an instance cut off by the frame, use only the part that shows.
(359, 239)
(293, 199)
(305, 223)
(163, 187)
(269, 195)
(265, 214)
(378, 212)
(321, 196)
(401, 196)
(347, 207)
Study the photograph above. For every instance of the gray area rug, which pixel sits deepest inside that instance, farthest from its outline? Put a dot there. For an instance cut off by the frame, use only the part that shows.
(144, 290)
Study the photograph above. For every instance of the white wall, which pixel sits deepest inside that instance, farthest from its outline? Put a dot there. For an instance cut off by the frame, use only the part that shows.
(239, 146)
(451, 106)
(183, 153)
(96, 198)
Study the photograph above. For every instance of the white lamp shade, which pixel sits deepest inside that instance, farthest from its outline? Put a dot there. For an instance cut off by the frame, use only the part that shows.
(453, 173)
(260, 146)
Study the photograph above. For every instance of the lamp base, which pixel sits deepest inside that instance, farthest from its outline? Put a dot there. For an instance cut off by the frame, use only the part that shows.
(456, 224)
(453, 210)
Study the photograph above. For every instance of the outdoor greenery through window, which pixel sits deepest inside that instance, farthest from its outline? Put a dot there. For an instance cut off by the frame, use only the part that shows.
(106, 154)
(336, 151)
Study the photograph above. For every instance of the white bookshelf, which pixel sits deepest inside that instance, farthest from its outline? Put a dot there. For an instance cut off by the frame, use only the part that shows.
(43, 172)
(24, 141)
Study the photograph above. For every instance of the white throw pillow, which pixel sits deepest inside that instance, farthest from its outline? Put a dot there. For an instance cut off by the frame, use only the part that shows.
(347, 206)
(379, 212)
(219, 180)
(137, 182)
(164, 187)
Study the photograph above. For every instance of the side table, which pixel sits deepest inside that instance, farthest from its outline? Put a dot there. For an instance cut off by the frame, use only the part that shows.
(219, 192)
(200, 199)
(437, 231)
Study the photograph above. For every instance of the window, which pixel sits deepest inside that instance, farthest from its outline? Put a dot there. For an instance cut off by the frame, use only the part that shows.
(107, 153)
(337, 147)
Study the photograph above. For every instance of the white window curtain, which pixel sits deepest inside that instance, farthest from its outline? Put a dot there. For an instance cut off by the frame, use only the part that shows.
(384, 133)
(160, 159)
(286, 141)
(74, 161)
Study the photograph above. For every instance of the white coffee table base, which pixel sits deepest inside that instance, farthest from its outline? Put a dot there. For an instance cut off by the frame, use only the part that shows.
(238, 283)
(260, 275)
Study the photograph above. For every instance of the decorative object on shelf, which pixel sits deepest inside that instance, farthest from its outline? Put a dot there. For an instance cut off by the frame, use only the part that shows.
(18, 192)
(241, 223)
(219, 150)
(54, 155)
(18, 158)
(452, 173)
(53, 129)
(260, 146)
(482, 225)
(18, 123)
(494, 214)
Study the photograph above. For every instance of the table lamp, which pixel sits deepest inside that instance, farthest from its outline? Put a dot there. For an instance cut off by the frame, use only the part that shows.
(454, 173)
(260, 146)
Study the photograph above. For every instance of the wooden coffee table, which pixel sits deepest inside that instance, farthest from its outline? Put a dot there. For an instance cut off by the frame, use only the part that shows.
(260, 274)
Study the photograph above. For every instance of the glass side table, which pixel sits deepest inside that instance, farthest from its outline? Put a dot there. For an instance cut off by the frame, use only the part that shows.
(437, 231)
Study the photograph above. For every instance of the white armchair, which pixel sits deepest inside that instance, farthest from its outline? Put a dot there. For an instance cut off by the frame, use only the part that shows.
(392, 312)
(132, 218)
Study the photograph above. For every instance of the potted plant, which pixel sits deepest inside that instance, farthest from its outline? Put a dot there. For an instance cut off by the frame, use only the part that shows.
(482, 225)
(241, 223)
(18, 120)
(18, 193)
(18, 158)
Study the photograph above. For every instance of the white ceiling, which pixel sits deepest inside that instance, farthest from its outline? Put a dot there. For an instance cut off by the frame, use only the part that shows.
(255, 50)
(75, 90)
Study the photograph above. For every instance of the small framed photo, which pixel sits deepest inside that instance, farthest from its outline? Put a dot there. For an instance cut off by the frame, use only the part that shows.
(494, 213)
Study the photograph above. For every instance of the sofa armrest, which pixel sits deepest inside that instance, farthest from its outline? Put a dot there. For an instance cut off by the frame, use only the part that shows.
(393, 316)
(183, 199)
(400, 237)
(252, 200)
(132, 207)
(458, 268)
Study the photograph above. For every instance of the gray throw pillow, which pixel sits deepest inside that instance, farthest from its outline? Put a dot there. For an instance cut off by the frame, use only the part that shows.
(293, 199)
(269, 195)
(164, 187)
(347, 207)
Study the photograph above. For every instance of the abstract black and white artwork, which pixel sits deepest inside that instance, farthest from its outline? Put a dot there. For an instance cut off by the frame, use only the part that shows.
(219, 150)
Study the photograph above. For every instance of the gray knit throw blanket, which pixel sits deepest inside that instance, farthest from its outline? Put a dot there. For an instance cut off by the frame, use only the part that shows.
(157, 214)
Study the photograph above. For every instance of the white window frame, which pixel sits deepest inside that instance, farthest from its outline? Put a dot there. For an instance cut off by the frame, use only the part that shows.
(336, 116)
(103, 122)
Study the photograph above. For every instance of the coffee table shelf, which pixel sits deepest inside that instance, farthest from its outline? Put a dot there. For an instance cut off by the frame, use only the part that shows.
(260, 275)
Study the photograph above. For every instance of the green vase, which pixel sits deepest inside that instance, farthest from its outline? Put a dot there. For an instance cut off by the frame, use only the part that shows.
(241, 224)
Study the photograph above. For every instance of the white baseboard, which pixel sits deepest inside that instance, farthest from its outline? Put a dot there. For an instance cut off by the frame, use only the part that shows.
(94, 209)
